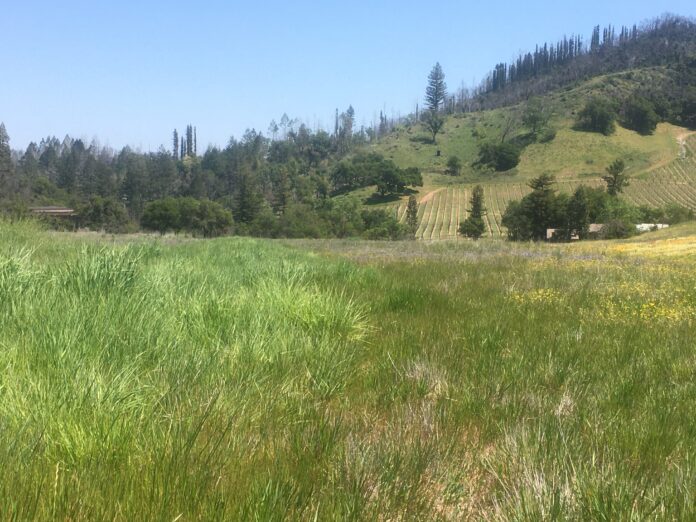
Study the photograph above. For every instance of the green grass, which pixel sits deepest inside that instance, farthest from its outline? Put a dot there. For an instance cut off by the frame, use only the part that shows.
(163, 379)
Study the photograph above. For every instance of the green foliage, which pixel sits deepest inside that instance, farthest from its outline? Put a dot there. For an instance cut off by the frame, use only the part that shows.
(107, 214)
(412, 214)
(373, 169)
(380, 224)
(204, 217)
(617, 229)
(598, 115)
(436, 91)
(473, 226)
(454, 166)
(639, 115)
(6, 166)
(535, 116)
(499, 156)
(434, 123)
(536, 212)
(240, 379)
(616, 179)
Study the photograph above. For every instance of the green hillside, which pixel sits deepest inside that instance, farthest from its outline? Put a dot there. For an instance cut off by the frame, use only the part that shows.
(661, 165)
(572, 153)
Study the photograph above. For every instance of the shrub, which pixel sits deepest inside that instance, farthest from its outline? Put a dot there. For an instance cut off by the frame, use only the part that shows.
(598, 115)
(639, 115)
(196, 216)
(546, 135)
(617, 229)
(499, 156)
(454, 166)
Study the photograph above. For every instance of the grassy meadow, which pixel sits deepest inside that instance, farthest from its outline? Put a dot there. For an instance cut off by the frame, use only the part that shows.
(148, 378)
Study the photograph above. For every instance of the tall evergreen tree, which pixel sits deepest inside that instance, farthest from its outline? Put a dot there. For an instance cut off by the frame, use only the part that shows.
(473, 226)
(6, 167)
(412, 214)
(189, 140)
(436, 91)
(175, 144)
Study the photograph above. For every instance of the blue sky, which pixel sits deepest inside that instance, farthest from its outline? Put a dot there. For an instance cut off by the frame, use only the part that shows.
(130, 72)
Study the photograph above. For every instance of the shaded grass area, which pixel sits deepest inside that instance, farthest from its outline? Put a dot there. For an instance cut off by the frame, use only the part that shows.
(242, 379)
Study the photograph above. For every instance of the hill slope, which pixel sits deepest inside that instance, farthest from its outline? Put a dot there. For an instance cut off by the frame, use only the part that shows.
(662, 165)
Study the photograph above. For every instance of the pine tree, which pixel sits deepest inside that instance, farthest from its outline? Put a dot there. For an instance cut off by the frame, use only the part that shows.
(436, 91)
(6, 167)
(189, 140)
(412, 214)
(473, 226)
(183, 149)
(616, 179)
(175, 143)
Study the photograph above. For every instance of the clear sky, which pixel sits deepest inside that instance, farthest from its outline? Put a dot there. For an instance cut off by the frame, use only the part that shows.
(129, 72)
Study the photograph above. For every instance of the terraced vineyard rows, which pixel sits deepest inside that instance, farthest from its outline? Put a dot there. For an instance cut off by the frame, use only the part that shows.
(441, 211)
(672, 183)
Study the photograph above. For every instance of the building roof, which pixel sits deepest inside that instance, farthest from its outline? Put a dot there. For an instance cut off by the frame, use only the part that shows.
(53, 211)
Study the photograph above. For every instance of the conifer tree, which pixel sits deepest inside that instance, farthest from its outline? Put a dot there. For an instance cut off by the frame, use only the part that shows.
(175, 143)
(412, 214)
(189, 140)
(473, 226)
(436, 91)
(6, 167)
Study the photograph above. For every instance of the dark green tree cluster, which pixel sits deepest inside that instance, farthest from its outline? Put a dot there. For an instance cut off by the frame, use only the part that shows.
(186, 214)
(275, 188)
(571, 215)
(608, 51)
(598, 115)
(499, 156)
(364, 170)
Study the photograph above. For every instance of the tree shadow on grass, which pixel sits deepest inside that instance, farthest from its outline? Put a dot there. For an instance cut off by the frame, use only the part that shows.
(377, 198)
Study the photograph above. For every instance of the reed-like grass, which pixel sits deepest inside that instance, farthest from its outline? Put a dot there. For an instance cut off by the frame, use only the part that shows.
(239, 379)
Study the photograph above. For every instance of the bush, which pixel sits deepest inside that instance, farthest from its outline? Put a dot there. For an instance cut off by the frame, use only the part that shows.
(381, 225)
(100, 213)
(454, 166)
(598, 115)
(499, 156)
(547, 135)
(639, 115)
(203, 217)
(617, 229)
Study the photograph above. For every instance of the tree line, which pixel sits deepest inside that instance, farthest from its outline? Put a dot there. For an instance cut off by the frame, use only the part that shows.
(269, 187)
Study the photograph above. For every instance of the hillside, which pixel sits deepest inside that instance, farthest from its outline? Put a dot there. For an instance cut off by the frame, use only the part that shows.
(662, 165)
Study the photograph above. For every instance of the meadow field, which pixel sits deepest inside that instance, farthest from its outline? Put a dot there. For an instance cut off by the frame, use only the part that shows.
(146, 378)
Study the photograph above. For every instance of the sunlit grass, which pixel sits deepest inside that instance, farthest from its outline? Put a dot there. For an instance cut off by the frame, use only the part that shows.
(247, 379)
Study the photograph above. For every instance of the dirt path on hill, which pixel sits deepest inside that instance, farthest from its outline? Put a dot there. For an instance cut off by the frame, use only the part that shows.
(429, 196)
(681, 139)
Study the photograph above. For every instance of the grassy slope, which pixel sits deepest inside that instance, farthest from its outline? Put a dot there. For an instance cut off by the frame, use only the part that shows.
(572, 153)
(238, 379)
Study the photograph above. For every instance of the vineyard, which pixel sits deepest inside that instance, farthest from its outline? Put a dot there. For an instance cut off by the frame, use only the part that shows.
(441, 210)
